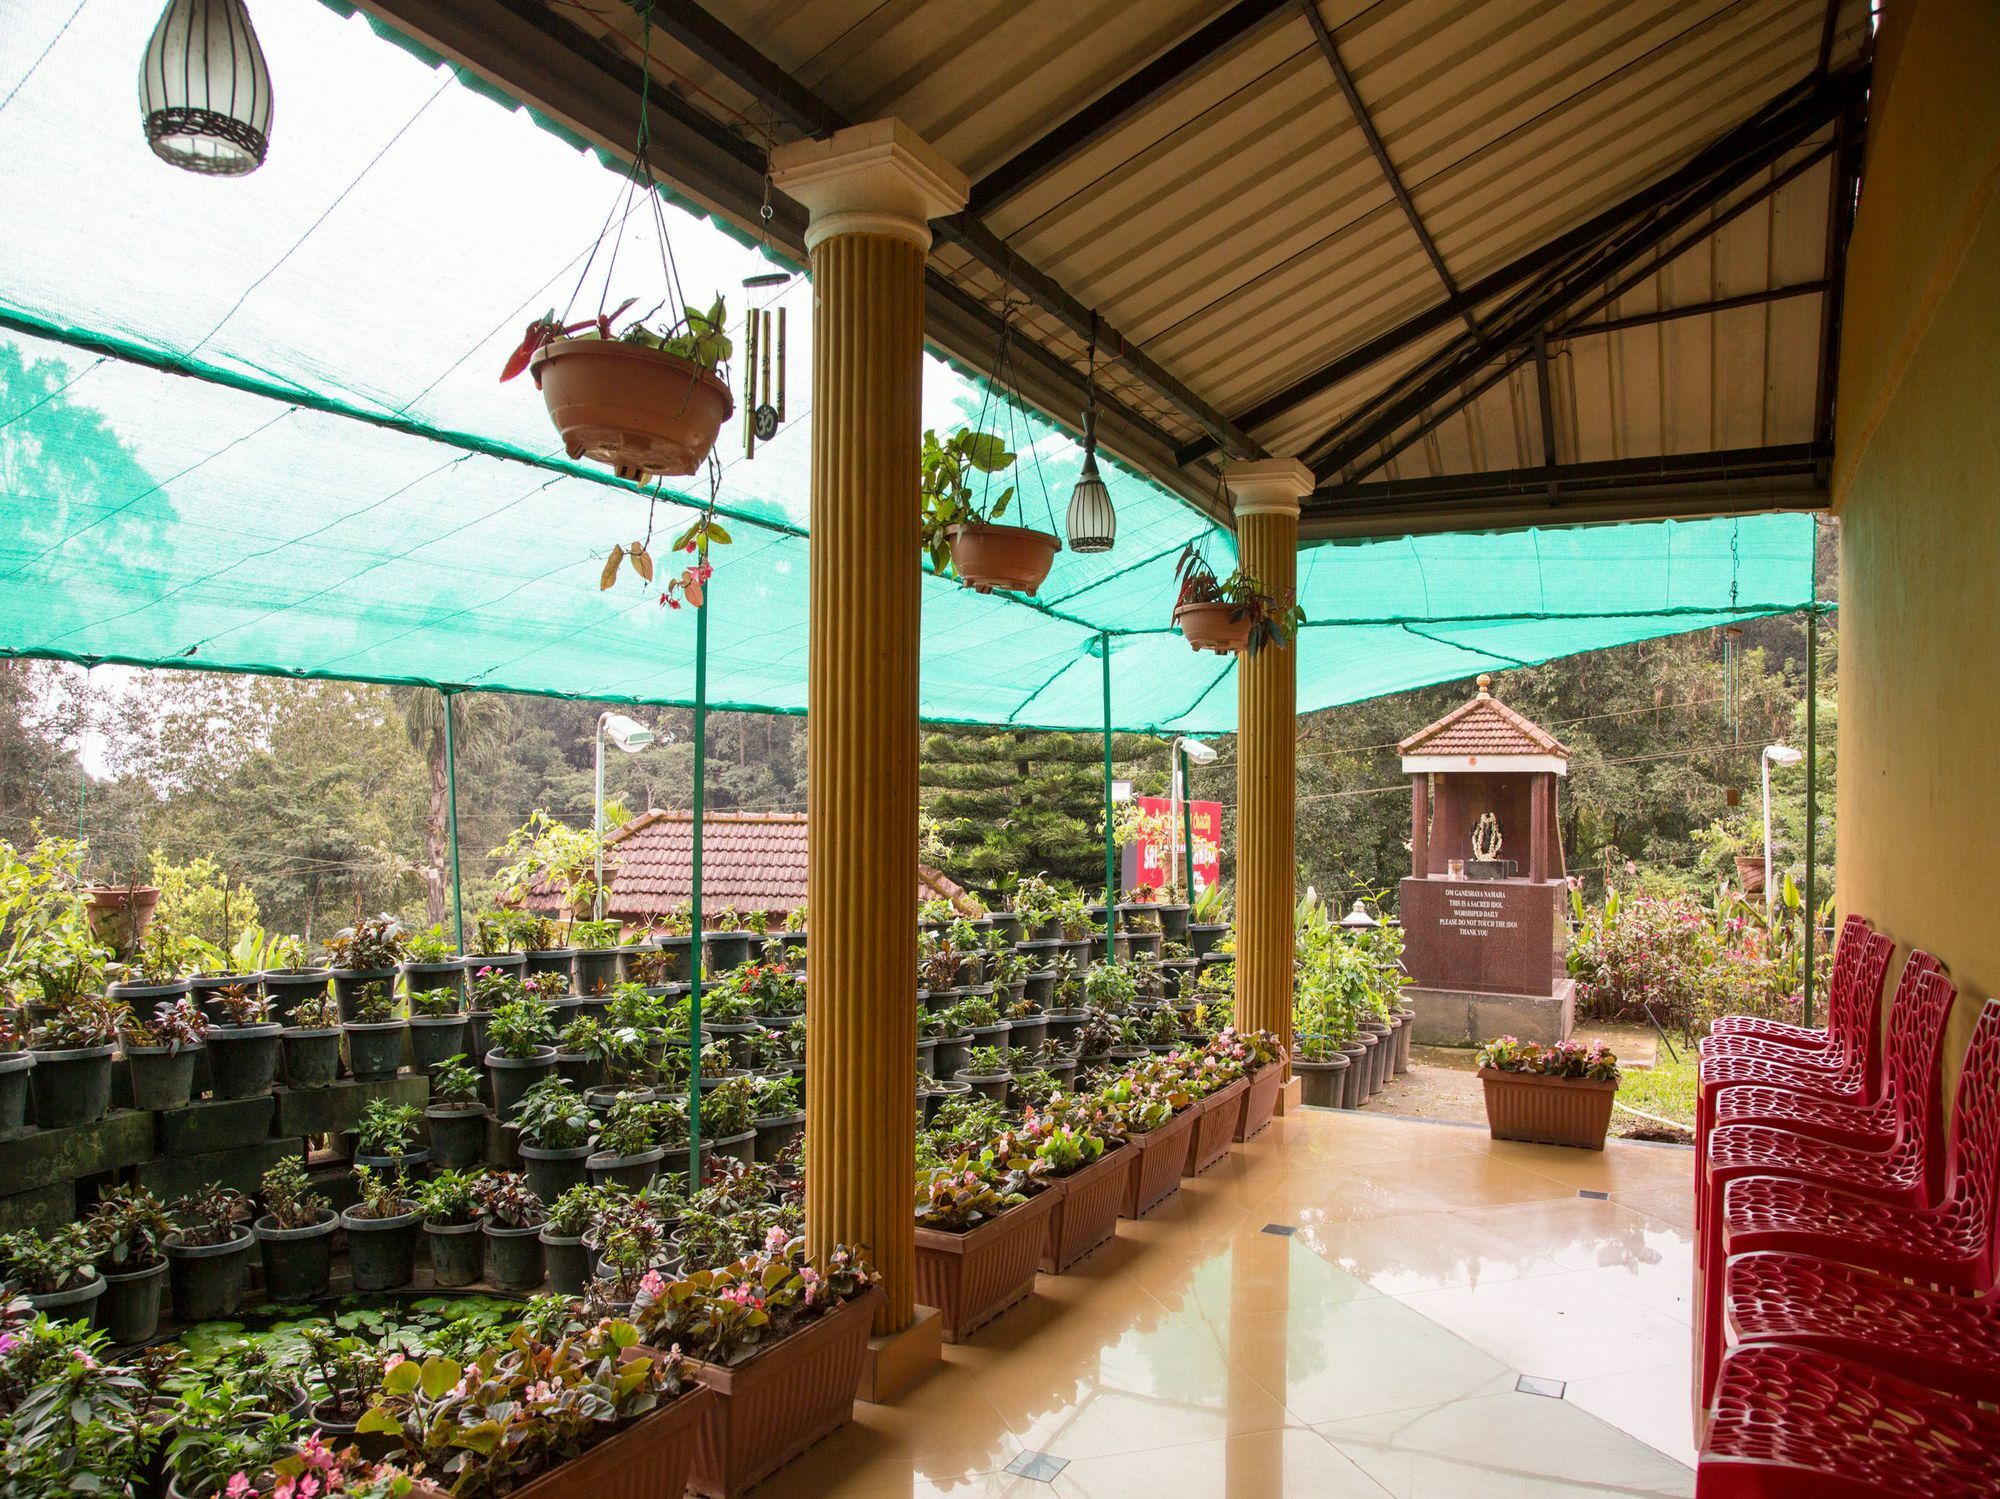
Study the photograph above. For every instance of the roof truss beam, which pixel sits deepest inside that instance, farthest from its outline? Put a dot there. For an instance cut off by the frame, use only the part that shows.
(1331, 51)
(1104, 114)
(1658, 208)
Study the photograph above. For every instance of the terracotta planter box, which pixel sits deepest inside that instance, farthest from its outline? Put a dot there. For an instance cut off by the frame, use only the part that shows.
(971, 1278)
(1547, 1110)
(1260, 1100)
(1155, 1171)
(770, 1408)
(1216, 1128)
(1086, 1211)
(648, 1458)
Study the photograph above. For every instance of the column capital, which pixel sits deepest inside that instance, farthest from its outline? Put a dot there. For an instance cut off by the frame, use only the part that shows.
(877, 178)
(1268, 486)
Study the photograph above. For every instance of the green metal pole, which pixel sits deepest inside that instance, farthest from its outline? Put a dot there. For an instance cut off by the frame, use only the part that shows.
(1110, 837)
(1187, 824)
(451, 814)
(694, 879)
(1812, 785)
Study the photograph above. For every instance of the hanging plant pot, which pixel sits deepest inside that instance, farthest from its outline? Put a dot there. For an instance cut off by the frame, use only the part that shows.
(638, 409)
(119, 914)
(1213, 627)
(1011, 557)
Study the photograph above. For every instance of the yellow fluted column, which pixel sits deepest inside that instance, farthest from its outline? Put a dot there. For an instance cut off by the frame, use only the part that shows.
(869, 192)
(1266, 494)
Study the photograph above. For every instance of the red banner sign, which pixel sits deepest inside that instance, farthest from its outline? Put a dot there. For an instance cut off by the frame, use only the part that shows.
(1153, 857)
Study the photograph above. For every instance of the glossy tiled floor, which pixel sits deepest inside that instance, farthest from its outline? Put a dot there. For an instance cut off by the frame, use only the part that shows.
(1373, 1351)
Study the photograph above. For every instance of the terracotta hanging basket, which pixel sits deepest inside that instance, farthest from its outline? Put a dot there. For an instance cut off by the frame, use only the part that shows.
(119, 914)
(1213, 627)
(639, 409)
(1011, 557)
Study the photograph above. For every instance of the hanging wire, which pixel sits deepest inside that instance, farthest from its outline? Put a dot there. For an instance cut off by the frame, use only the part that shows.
(1003, 386)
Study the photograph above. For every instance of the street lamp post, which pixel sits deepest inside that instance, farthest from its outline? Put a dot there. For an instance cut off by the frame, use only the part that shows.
(631, 736)
(1774, 754)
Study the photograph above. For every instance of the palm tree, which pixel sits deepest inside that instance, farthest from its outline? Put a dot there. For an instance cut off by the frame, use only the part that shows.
(479, 727)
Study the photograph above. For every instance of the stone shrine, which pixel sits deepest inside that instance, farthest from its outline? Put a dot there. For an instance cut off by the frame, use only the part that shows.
(1484, 909)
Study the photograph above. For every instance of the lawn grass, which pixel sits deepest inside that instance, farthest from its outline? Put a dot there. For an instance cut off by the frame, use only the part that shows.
(1666, 1089)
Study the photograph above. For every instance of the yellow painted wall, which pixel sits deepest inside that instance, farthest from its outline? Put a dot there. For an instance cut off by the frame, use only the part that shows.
(1917, 482)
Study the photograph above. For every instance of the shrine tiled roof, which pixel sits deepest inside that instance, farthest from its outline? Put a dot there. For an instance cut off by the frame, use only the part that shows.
(1483, 727)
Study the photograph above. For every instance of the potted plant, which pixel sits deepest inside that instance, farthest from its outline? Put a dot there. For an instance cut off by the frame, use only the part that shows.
(72, 1062)
(521, 1052)
(438, 1027)
(778, 1115)
(243, 1045)
(1549, 1095)
(53, 1270)
(369, 952)
(374, 1032)
(1156, 1116)
(628, 1147)
(990, 1070)
(160, 1052)
(980, 1237)
(1263, 1059)
(487, 990)
(725, 941)
(15, 1064)
(1232, 614)
(510, 1220)
(278, 962)
(310, 1042)
(960, 528)
(558, 1133)
(381, 1233)
(208, 1253)
(569, 1218)
(780, 1348)
(295, 1233)
(645, 401)
(346, 1375)
(456, 1115)
(128, 1232)
(119, 914)
(600, 961)
(386, 1138)
(1085, 1172)
(450, 1211)
(431, 962)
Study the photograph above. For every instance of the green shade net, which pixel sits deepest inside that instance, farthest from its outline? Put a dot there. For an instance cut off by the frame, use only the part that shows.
(255, 426)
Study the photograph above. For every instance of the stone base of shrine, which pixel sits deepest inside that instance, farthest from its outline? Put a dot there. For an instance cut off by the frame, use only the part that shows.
(1457, 1017)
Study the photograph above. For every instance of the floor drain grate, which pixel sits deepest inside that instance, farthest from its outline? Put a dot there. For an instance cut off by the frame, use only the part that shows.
(1534, 1384)
(1593, 1196)
(1037, 1465)
(1282, 1230)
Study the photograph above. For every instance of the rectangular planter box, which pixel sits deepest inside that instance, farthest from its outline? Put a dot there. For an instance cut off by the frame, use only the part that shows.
(650, 1457)
(1260, 1100)
(772, 1407)
(1216, 1128)
(1547, 1110)
(1086, 1211)
(971, 1278)
(1157, 1158)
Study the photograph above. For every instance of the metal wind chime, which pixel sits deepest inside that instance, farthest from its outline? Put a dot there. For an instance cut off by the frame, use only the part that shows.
(763, 367)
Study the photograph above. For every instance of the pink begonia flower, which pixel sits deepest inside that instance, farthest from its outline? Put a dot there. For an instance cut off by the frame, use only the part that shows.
(306, 1487)
(238, 1487)
(775, 1240)
(652, 1284)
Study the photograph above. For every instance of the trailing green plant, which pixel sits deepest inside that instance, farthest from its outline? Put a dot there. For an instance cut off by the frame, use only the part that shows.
(289, 1197)
(209, 1216)
(553, 1116)
(387, 1128)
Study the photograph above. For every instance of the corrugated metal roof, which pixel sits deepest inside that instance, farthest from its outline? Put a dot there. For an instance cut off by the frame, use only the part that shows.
(1237, 224)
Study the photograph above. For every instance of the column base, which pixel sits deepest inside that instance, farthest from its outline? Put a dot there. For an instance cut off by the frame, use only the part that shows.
(1291, 1097)
(897, 1362)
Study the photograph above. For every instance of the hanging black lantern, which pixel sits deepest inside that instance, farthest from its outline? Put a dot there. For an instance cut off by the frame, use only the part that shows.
(204, 90)
(1092, 524)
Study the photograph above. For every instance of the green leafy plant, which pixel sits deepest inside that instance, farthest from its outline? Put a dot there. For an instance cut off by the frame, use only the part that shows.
(490, 988)
(519, 1029)
(776, 1096)
(242, 1006)
(1590, 1061)
(594, 936)
(572, 1214)
(209, 1216)
(82, 1022)
(42, 1264)
(374, 1003)
(455, 1085)
(289, 1197)
(320, 1013)
(553, 1116)
(631, 1127)
(387, 1128)
(430, 945)
(730, 1107)
(966, 1193)
(434, 1004)
(372, 943)
(379, 1195)
(175, 1023)
(505, 1198)
(944, 487)
(448, 1198)
(1274, 618)
(127, 1229)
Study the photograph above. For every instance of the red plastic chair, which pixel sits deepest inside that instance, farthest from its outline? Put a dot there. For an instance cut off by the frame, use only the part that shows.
(1950, 1247)
(1796, 1423)
(1930, 1337)
(1856, 1077)
(1842, 1030)
(1903, 1163)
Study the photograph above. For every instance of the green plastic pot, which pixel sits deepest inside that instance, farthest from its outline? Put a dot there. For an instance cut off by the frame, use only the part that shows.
(553, 1172)
(381, 1252)
(162, 1076)
(311, 1057)
(437, 1038)
(71, 1086)
(514, 1258)
(298, 1262)
(243, 1059)
(567, 1261)
(207, 1280)
(130, 1307)
(458, 1136)
(457, 1257)
(374, 1049)
(14, 1069)
(512, 1077)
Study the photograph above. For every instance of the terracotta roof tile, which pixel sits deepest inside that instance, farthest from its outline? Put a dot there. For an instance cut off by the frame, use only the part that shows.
(753, 861)
(1484, 726)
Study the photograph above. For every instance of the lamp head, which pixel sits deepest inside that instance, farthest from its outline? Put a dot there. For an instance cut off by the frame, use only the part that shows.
(1197, 752)
(627, 733)
(1782, 754)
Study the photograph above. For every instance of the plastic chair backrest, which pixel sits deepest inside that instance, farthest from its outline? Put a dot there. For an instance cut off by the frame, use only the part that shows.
(1972, 1190)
